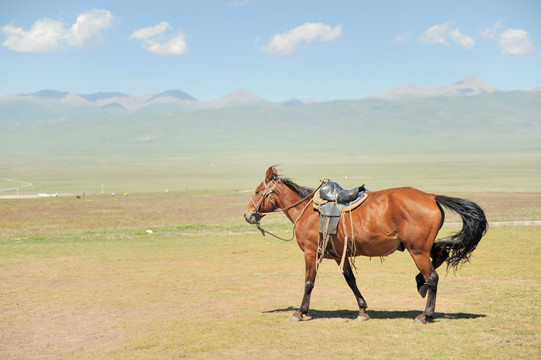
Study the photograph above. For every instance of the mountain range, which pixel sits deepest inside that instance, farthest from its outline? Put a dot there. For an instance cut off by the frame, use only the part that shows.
(52, 105)
(467, 86)
(469, 116)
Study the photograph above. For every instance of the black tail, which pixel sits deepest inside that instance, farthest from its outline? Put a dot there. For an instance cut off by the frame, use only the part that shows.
(474, 225)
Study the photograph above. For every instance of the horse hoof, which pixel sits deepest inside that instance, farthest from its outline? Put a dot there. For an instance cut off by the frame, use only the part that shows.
(296, 317)
(363, 318)
(421, 319)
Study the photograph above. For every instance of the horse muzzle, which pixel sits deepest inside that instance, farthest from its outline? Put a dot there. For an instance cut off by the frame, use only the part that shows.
(252, 217)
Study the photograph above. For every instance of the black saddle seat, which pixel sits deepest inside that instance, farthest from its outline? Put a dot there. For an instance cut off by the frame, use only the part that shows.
(331, 191)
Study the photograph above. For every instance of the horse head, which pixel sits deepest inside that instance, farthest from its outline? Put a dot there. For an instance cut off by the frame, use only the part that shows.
(263, 201)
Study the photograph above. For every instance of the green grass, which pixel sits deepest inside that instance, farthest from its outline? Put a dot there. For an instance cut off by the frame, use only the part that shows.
(88, 281)
(438, 172)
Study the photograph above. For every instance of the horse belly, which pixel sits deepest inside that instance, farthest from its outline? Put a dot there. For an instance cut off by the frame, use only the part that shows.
(379, 248)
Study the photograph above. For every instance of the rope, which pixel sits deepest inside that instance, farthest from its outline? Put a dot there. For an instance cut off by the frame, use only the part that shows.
(341, 267)
(263, 231)
(322, 246)
(353, 243)
(347, 243)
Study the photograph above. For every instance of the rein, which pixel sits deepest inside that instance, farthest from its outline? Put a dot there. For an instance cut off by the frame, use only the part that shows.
(285, 209)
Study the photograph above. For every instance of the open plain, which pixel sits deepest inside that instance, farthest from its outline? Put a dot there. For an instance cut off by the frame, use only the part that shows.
(179, 274)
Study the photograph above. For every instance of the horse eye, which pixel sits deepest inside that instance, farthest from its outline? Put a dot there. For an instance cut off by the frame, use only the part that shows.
(257, 192)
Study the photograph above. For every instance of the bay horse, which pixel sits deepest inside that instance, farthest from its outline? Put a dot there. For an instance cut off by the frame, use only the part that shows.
(393, 219)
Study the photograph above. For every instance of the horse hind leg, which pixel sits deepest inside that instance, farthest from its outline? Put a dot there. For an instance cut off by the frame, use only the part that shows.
(438, 255)
(430, 276)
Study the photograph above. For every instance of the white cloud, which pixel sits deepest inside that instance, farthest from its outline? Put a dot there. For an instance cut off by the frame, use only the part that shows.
(48, 35)
(403, 38)
(443, 34)
(461, 39)
(289, 41)
(156, 41)
(44, 36)
(86, 32)
(510, 41)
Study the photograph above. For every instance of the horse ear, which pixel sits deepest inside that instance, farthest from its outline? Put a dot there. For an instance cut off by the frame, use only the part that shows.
(272, 174)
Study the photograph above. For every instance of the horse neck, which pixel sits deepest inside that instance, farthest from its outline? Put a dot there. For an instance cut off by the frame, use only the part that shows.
(286, 198)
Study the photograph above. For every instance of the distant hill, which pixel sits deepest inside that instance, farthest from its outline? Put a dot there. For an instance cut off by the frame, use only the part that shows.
(239, 98)
(49, 94)
(292, 102)
(103, 96)
(468, 116)
(490, 122)
(178, 94)
(468, 86)
(59, 106)
(55, 106)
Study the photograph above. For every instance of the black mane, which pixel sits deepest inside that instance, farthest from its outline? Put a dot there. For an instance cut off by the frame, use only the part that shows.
(302, 191)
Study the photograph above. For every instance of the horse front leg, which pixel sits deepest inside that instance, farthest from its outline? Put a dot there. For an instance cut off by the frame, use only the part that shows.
(350, 279)
(309, 281)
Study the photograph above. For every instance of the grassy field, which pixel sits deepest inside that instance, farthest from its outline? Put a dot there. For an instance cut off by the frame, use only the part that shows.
(83, 278)
(438, 172)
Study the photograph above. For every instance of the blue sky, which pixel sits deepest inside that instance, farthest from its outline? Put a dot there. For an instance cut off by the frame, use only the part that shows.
(275, 49)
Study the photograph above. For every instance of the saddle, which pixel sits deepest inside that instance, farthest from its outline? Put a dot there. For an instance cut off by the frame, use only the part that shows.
(331, 191)
(332, 200)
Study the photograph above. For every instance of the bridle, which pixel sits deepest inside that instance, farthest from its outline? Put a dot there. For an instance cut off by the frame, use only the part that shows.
(269, 190)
